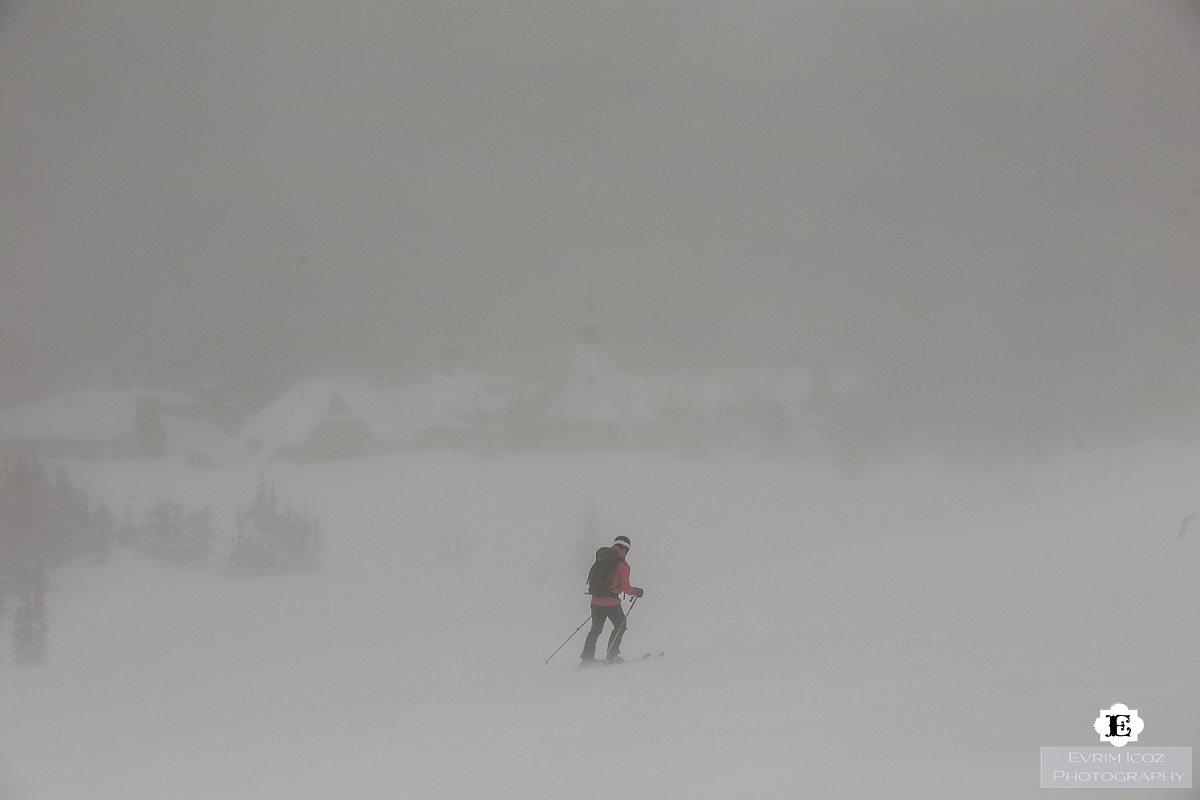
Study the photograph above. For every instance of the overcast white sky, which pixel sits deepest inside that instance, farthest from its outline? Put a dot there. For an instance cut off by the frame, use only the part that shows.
(1007, 191)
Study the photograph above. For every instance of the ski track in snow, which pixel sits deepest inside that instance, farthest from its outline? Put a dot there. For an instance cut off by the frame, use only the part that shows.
(919, 632)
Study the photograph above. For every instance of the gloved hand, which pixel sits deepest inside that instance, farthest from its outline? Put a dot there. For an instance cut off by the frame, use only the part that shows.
(638, 592)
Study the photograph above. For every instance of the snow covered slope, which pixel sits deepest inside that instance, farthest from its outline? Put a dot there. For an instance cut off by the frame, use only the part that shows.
(919, 632)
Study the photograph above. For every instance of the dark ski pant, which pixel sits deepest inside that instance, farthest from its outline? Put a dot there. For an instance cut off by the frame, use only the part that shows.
(599, 614)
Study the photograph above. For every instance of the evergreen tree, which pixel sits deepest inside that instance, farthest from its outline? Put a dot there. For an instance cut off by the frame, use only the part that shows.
(66, 516)
(29, 624)
(80, 524)
(30, 523)
(99, 535)
(263, 513)
(288, 551)
(251, 554)
(163, 531)
(270, 541)
(24, 631)
(128, 534)
(175, 536)
(237, 560)
(197, 540)
(31, 511)
(305, 542)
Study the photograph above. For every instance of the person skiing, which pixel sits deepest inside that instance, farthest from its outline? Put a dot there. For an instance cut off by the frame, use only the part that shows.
(607, 604)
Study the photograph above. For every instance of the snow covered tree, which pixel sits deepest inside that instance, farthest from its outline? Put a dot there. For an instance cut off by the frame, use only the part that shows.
(269, 541)
(29, 624)
(299, 541)
(196, 543)
(30, 511)
(247, 556)
(65, 514)
(27, 527)
(24, 632)
(127, 534)
(162, 533)
(254, 540)
(177, 537)
(44, 523)
(99, 535)
(264, 511)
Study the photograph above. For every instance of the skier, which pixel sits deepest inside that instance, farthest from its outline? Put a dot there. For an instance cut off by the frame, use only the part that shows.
(607, 604)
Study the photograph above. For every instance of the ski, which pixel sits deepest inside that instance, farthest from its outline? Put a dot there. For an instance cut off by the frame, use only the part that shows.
(643, 657)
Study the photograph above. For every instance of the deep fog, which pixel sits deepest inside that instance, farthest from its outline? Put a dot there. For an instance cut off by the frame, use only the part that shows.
(337, 340)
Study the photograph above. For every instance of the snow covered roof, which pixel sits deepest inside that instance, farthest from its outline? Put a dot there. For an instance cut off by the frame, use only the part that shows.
(291, 419)
(699, 392)
(706, 391)
(587, 386)
(196, 436)
(452, 398)
(94, 414)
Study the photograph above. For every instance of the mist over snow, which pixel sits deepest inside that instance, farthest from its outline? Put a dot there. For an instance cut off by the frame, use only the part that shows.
(803, 616)
(335, 341)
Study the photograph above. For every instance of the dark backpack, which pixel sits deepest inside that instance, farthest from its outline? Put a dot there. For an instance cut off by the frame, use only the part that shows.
(601, 574)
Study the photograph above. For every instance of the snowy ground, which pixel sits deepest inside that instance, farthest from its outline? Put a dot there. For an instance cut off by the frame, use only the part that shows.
(919, 632)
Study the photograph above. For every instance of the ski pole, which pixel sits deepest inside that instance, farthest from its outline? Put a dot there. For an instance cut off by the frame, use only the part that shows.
(619, 633)
(569, 638)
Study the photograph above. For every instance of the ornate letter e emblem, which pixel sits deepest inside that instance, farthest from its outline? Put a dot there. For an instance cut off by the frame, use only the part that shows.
(1119, 725)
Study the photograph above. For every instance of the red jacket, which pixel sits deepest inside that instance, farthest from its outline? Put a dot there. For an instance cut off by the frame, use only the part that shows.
(619, 585)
